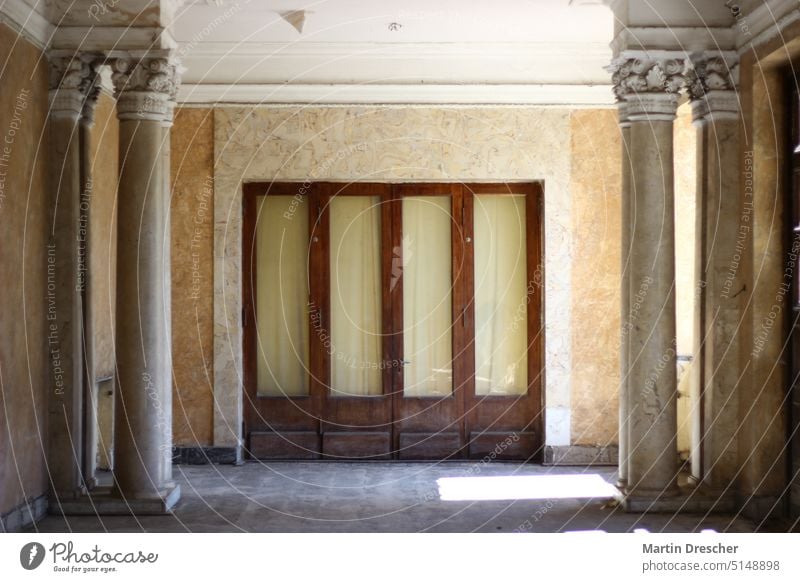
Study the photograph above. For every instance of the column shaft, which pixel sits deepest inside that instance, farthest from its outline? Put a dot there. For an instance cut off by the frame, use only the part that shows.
(625, 226)
(143, 427)
(697, 378)
(724, 225)
(652, 464)
(166, 160)
(85, 285)
(64, 315)
(726, 232)
(142, 334)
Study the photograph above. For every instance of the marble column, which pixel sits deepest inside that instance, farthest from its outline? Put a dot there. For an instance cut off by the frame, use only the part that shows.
(724, 230)
(625, 225)
(650, 88)
(85, 284)
(166, 175)
(68, 80)
(142, 438)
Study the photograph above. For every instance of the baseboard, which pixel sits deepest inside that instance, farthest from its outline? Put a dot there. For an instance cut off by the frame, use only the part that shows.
(23, 515)
(581, 455)
(207, 455)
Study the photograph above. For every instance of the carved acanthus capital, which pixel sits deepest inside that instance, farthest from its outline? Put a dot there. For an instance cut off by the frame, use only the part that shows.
(712, 82)
(73, 83)
(711, 72)
(633, 75)
(144, 86)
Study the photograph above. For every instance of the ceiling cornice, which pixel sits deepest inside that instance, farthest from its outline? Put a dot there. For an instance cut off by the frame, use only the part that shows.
(104, 38)
(396, 63)
(399, 50)
(765, 23)
(688, 39)
(539, 95)
(31, 24)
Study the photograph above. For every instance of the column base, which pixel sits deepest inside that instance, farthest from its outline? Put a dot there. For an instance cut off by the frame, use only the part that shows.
(581, 455)
(207, 456)
(101, 501)
(67, 495)
(681, 500)
(24, 515)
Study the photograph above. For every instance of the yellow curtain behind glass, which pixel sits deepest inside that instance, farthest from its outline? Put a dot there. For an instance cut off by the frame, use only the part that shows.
(355, 296)
(282, 295)
(501, 314)
(427, 309)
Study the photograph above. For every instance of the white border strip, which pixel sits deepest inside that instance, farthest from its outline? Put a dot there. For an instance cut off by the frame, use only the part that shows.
(560, 95)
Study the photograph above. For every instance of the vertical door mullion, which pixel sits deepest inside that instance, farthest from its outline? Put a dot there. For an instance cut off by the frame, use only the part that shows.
(467, 329)
(388, 323)
(319, 291)
(459, 306)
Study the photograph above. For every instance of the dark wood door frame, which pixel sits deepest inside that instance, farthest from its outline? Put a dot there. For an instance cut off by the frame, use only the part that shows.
(322, 426)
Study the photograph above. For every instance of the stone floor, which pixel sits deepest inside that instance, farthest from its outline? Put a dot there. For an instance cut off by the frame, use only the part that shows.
(395, 497)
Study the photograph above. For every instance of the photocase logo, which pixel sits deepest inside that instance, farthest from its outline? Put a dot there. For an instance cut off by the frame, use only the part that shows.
(31, 555)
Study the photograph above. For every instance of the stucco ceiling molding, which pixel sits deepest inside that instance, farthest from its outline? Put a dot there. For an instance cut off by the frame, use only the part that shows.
(348, 94)
(763, 22)
(100, 38)
(33, 25)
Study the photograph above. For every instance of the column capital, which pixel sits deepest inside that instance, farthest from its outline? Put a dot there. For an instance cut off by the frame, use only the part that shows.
(73, 81)
(90, 104)
(169, 115)
(144, 84)
(652, 106)
(712, 80)
(637, 73)
(623, 113)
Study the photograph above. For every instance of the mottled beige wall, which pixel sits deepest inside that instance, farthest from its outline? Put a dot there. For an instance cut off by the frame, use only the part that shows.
(763, 409)
(595, 188)
(393, 144)
(104, 158)
(23, 236)
(192, 211)
(576, 152)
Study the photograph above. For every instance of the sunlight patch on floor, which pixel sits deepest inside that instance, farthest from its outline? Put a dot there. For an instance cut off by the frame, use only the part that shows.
(525, 487)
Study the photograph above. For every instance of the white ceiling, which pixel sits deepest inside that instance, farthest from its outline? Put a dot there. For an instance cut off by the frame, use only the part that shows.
(394, 51)
(420, 21)
(389, 42)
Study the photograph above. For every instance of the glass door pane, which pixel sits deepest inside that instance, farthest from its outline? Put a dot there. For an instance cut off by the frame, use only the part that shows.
(501, 314)
(427, 308)
(282, 321)
(355, 261)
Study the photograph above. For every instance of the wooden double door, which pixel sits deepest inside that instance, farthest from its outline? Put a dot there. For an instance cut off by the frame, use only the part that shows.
(393, 321)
